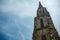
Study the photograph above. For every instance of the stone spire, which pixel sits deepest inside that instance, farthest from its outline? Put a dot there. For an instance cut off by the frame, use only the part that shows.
(39, 11)
(40, 5)
(44, 28)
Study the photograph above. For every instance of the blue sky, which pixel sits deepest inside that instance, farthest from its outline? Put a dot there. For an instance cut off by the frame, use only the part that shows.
(17, 17)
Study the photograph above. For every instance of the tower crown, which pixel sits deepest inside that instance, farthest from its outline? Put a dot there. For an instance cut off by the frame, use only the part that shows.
(42, 11)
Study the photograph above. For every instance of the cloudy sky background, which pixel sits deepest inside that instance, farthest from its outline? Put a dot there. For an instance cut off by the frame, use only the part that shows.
(17, 17)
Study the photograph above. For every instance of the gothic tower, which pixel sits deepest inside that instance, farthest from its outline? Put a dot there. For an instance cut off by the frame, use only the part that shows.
(43, 26)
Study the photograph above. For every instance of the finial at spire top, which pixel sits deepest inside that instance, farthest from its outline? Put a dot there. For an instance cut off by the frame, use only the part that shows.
(40, 4)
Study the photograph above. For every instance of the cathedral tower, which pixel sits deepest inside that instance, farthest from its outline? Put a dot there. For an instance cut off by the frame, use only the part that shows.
(43, 26)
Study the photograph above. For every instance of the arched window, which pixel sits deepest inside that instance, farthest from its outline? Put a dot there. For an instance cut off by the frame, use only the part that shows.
(44, 37)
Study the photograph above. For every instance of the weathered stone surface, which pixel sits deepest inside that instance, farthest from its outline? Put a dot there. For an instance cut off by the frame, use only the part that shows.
(43, 26)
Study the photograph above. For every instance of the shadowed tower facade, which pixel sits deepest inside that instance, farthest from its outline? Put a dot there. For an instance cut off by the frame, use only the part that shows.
(43, 26)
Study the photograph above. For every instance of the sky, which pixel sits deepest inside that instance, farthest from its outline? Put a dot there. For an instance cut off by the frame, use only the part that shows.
(17, 17)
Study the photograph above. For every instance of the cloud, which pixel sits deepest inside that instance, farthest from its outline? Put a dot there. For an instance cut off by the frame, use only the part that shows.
(12, 27)
(18, 6)
(19, 18)
(21, 8)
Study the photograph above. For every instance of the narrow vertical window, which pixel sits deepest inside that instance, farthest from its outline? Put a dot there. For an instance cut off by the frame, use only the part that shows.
(41, 21)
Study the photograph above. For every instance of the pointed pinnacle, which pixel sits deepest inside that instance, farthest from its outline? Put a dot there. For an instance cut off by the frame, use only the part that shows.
(40, 4)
